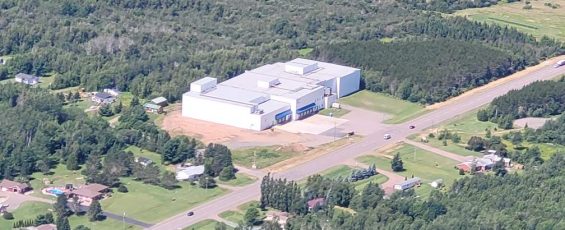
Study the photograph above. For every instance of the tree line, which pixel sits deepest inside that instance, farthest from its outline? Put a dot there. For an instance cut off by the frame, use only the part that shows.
(480, 201)
(539, 99)
(450, 6)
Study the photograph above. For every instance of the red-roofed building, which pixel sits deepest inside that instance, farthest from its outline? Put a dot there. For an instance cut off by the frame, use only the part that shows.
(315, 202)
(12, 186)
(87, 193)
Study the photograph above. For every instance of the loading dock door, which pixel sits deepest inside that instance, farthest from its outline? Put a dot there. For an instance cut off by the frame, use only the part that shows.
(283, 117)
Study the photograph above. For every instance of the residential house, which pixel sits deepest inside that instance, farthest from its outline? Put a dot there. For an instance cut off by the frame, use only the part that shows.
(12, 186)
(103, 98)
(317, 202)
(87, 193)
(153, 108)
(280, 217)
(160, 101)
(113, 92)
(27, 79)
(482, 164)
(143, 161)
(190, 173)
(407, 184)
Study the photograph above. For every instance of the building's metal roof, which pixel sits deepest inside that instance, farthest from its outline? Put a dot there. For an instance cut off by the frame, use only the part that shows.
(159, 100)
(151, 106)
(26, 76)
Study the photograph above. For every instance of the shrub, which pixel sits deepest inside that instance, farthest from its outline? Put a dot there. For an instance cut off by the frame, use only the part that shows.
(8, 216)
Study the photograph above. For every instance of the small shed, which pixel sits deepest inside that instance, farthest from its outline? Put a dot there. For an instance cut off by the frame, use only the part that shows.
(410, 183)
(153, 108)
(160, 101)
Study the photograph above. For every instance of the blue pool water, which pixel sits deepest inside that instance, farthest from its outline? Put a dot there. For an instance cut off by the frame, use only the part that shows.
(56, 191)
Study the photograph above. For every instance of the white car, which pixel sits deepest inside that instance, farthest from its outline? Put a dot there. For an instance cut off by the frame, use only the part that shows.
(387, 136)
(559, 64)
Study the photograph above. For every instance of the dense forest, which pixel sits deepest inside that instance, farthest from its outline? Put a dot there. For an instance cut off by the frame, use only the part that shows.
(539, 99)
(435, 79)
(506, 201)
(449, 6)
(155, 48)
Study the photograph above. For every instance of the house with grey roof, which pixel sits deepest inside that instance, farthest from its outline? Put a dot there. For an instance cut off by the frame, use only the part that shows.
(160, 101)
(153, 108)
(103, 98)
(27, 79)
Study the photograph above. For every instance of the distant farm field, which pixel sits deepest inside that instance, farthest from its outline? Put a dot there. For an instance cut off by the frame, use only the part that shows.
(538, 21)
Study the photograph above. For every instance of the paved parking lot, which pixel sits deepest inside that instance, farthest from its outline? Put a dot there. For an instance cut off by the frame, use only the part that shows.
(315, 124)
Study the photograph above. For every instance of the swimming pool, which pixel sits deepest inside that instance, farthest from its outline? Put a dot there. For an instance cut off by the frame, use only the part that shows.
(56, 191)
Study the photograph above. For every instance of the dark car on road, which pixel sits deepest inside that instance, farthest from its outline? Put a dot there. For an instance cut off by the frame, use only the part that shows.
(411, 127)
(190, 213)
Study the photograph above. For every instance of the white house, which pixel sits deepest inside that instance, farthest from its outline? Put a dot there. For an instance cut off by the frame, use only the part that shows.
(271, 94)
(27, 79)
(190, 173)
(102, 98)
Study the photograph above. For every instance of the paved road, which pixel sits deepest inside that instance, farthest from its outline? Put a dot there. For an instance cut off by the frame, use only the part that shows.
(126, 219)
(370, 142)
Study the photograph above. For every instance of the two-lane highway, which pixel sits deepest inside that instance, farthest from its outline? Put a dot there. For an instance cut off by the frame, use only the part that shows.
(369, 143)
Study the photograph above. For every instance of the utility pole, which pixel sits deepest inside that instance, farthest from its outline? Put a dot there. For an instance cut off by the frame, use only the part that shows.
(254, 166)
(124, 220)
(332, 115)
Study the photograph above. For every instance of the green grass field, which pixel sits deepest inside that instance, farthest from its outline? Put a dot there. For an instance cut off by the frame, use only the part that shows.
(305, 51)
(29, 210)
(417, 162)
(241, 179)
(139, 152)
(81, 104)
(399, 110)
(344, 171)
(151, 204)
(335, 112)
(205, 225)
(540, 20)
(232, 216)
(265, 156)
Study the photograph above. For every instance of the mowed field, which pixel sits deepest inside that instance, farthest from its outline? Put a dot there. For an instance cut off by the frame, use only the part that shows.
(538, 21)
(398, 110)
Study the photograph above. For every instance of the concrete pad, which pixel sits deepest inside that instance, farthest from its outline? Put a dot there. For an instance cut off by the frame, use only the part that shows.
(315, 124)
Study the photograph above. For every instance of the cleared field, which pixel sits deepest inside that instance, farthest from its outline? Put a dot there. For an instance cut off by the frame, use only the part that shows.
(399, 110)
(204, 225)
(151, 204)
(335, 112)
(417, 162)
(538, 21)
(264, 156)
(344, 171)
(232, 216)
(27, 210)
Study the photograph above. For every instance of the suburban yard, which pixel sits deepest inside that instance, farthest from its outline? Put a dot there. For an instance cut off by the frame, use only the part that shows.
(235, 216)
(157, 203)
(417, 162)
(538, 21)
(399, 110)
(59, 176)
(241, 179)
(344, 171)
(29, 210)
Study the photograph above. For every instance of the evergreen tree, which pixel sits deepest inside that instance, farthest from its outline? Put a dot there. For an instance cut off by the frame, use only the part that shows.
(396, 164)
(94, 211)
(105, 110)
(72, 162)
(169, 181)
(251, 216)
(118, 107)
(60, 206)
(498, 168)
(227, 173)
(134, 102)
(82, 227)
(206, 182)
(63, 223)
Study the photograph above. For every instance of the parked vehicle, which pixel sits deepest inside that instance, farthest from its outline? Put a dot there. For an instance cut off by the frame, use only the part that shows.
(559, 64)
(387, 136)
(190, 213)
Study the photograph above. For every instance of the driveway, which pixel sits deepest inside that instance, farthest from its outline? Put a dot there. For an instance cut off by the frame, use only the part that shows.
(14, 200)
(437, 151)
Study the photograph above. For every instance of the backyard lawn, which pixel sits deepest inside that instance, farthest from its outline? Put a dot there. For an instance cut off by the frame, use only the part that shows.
(539, 21)
(399, 110)
(265, 156)
(139, 152)
(27, 210)
(107, 224)
(59, 176)
(204, 225)
(334, 111)
(417, 162)
(150, 204)
(344, 171)
(232, 216)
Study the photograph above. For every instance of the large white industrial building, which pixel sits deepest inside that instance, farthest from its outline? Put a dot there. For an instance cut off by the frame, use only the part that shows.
(269, 95)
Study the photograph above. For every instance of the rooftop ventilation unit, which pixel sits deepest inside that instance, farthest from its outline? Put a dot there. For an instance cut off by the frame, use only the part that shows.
(203, 85)
(267, 83)
(300, 66)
